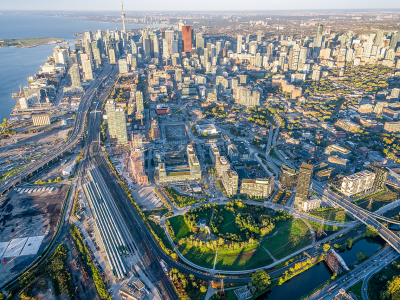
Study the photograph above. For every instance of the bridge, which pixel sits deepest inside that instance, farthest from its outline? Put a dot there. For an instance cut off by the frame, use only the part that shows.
(366, 217)
(72, 141)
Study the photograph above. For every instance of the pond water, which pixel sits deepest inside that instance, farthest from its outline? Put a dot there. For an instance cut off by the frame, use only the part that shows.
(318, 274)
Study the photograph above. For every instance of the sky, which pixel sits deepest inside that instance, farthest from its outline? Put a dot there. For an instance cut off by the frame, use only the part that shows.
(196, 5)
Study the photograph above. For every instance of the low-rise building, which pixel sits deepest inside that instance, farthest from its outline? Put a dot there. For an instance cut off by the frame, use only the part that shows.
(260, 187)
(338, 150)
(392, 127)
(311, 204)
(41, 119)
(347, 125)
(208, 129)
(338, 162)
(233, 153)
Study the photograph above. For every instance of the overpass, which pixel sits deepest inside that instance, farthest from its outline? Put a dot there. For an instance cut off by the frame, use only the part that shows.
(364, 216)
(72, 141)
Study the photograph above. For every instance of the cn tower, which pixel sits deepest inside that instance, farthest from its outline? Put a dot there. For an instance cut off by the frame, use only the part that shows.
(123, 18)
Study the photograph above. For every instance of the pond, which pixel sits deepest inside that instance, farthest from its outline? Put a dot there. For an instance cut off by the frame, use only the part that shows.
(318, 274)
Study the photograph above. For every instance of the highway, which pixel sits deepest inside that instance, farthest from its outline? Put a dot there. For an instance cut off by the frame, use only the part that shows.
(364, 270)
(361, 215)
(72, 141)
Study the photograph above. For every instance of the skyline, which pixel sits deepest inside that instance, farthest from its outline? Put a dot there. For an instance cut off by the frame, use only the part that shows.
(178, 5)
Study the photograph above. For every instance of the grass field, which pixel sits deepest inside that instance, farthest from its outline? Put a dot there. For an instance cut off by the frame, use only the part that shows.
(356, 289)
(289, 239)
(316, 226)
(381, 200)
(243, 261)
(179, 227)
(199, 258)
(332, 214)
(161, 234)
(228, 216)
(231, 228)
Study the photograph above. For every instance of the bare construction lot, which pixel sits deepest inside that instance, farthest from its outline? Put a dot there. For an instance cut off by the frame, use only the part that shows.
(147, 198)
(28, 219)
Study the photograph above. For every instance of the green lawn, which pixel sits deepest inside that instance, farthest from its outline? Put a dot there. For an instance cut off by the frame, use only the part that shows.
(243, 261)
(199, 258)
(228, 216)
(316, 226)
(332, 214)
(289, 239)
(160, 233)
(179, 226)
(356, 289)
(379, 201)
(231, 228)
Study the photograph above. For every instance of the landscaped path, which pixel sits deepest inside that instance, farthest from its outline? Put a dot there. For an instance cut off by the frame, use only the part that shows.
(312, 231)
(213, 271)
(273, 258)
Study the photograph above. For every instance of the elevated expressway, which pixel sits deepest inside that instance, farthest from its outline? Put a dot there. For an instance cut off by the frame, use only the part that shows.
(366, 217)
(73, 140)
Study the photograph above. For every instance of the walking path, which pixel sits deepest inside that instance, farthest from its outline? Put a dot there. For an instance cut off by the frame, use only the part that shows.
(213, 271)
(273, 258)
(215, 259)
(312, 231)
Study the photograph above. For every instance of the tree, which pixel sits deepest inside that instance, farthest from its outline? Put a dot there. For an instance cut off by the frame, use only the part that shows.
(361, 256)
(261, 280)
(326, 247)
(371, 231)
(393, 289)
(203, 289)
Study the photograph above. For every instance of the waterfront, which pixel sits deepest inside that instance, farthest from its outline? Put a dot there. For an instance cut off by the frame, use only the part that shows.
(305, 282)
(17, 64)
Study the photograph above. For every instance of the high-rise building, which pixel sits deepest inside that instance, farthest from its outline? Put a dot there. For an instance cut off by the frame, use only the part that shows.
(287, 177)
(165, 49)
(259, 36)
(318, 39)
(139, 102)
(112, 57)
(116, 120)
(175, 47)
(239, 44)
(187, 38)
(123, 18)
(221, 165)
(379, 37)
(230, 181)
(75, 77)
(123, 66)
(394, 40)
(155, 130)
(156, 47)
(169, 37)
(87, 69)
(303, 185)
(381, 175)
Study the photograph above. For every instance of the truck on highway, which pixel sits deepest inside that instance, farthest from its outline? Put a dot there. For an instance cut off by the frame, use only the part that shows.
(332, 288)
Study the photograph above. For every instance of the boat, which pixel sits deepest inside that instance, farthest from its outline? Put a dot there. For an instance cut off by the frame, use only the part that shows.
(20, 94)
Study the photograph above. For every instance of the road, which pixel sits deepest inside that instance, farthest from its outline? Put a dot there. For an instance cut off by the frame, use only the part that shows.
(361, 215)
(73, 139)
(364, 270)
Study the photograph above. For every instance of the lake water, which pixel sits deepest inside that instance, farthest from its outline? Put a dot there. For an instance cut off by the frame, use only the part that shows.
(17, 64)
(318, 274)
